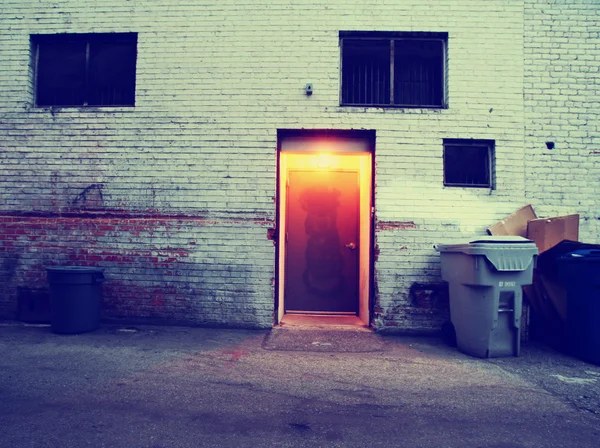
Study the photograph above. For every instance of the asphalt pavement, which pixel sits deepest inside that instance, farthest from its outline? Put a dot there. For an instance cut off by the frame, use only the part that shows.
(190, 387)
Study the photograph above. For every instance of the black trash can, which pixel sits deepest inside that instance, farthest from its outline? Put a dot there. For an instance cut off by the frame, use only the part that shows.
(75, 298)
(580, 272)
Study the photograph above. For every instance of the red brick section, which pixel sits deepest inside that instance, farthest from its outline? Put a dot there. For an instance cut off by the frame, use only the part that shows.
(157, 267)
(395, 225)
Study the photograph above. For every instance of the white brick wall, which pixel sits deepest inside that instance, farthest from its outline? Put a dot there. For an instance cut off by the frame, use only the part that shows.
(215, 82)
(562, 105)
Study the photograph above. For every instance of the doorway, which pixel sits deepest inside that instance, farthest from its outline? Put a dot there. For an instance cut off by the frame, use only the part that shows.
(324, 226)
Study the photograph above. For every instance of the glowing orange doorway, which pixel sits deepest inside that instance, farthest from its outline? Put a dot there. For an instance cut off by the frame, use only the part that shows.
(324, 228)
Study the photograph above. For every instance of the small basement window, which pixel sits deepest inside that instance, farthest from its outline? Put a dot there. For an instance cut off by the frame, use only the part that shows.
(402, 69)
(85, 69)
(468, 163)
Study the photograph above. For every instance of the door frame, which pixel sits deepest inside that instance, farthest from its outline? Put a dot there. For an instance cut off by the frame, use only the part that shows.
(341, 142)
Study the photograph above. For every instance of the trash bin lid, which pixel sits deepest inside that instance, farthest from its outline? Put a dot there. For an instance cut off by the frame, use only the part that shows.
(74, 274)
(501, 239)
(582, 256)
(74, 269)
(505, 253)
(488, 242)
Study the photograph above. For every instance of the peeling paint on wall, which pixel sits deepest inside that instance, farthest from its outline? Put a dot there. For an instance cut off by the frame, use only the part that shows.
(89, 196)
(395, 225)
(152, 270)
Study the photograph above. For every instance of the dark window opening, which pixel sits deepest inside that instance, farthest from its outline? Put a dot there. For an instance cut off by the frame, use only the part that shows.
(85, 69)
(366, 73)
(393, 69)
(468, 163)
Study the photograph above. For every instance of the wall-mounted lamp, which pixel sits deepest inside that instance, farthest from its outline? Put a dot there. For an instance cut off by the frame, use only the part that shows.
(308, 89)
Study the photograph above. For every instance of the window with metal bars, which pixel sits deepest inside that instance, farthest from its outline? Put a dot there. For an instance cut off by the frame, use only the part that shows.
(400, 69)
(468, 163)
(85, 69)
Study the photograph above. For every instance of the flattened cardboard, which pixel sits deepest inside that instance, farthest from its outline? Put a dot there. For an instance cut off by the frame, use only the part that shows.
(548, 323)
(548, 232)
(514, 224)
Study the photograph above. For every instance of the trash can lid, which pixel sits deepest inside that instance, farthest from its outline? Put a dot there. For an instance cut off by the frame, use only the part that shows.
(501, 239)
(505, 253)
(74, 269)
(489, 243)
(74, 274)
(583, 255)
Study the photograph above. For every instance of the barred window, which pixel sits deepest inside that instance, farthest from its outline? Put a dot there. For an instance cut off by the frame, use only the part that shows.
(393, 69)
(468, 163)
(85, 69)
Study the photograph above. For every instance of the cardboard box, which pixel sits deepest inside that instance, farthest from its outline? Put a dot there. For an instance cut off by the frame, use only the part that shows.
(514, 224)
(548, 232)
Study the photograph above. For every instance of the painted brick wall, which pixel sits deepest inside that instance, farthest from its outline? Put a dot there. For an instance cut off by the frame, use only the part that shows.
(155, 266)
(562, 105)
(175, 196)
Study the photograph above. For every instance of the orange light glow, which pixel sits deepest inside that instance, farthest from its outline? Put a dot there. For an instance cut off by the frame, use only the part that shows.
(321, 161)
(324, 160)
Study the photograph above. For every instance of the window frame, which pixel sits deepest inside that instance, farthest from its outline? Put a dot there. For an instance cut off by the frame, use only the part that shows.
(110, 37)
(393, 37)
(491, 149)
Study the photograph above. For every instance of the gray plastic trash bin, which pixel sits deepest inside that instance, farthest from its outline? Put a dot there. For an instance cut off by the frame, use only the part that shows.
(75, 298)
(485, 278)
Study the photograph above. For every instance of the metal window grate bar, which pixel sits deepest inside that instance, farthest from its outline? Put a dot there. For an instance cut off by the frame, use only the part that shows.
(404, 72)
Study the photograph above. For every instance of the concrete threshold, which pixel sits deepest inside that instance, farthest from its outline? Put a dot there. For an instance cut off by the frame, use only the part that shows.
(322, 322)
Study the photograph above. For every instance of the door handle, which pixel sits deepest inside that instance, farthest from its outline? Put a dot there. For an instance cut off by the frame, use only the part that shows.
(351, 246)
